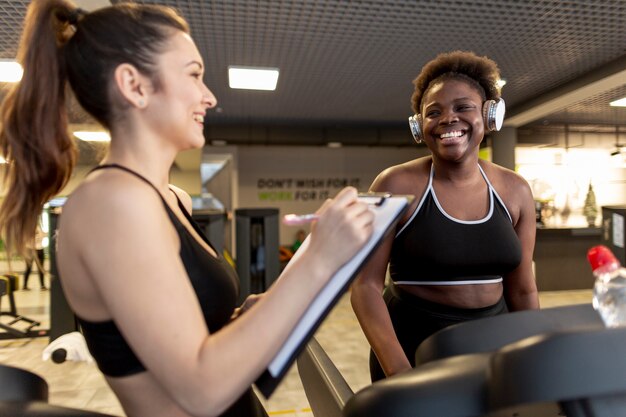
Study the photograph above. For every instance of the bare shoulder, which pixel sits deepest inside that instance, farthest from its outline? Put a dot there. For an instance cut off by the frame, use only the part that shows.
(510, 186)
(504, 179)
(111, 190)
(183, 196)
(110, 201)
(407, 178)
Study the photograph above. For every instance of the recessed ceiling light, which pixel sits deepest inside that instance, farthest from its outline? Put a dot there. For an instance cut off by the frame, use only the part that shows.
(619, 103)
(10, 71)
(93, 136)
(252, 78)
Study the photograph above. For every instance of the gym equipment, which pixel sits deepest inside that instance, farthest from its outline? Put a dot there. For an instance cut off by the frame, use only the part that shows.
(540, 363)
(62, 319)
(18, 384)
(71, 347)
(42, 409)
(583, 372)
(324, 386)
(492, 333)
(18, 326)
(257, 261)
(25, 394)
(212, 224)
(451, 387)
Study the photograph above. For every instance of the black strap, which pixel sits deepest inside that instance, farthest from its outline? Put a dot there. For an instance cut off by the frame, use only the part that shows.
(144, 179)
(167, 207)
(130, 171)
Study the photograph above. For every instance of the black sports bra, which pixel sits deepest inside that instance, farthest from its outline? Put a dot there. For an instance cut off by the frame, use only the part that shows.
(214, 282)
(434, 248)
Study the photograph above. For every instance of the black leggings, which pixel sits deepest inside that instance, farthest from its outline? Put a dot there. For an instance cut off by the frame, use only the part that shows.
(29, 266)
(414, 319)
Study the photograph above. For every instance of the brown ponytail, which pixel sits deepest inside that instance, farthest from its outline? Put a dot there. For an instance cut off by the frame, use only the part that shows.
(34, 136)
(62, 44)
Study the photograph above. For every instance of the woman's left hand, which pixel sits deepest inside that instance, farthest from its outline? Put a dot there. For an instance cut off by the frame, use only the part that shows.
(247, 304)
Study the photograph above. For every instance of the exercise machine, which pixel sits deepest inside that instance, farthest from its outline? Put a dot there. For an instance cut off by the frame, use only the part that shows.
(18, 326)
(542, 363)
(25, 394)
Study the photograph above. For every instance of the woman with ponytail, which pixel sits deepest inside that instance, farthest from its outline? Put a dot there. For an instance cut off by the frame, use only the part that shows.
(153, 297)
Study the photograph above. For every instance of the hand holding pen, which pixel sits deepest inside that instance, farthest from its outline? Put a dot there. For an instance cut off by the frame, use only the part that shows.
(300, 219)
(340, 228)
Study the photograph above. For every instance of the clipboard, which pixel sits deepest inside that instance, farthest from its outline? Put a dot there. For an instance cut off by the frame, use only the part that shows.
(388, 209)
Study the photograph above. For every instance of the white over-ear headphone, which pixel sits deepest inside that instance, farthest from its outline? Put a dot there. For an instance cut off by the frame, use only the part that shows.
(493, 116)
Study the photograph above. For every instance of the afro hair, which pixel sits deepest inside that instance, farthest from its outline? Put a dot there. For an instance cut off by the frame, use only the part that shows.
(482, 72)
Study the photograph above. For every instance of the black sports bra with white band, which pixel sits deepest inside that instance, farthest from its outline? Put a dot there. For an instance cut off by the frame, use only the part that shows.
(434, 248)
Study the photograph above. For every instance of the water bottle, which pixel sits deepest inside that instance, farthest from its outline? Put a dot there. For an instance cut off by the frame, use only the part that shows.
(609, 291)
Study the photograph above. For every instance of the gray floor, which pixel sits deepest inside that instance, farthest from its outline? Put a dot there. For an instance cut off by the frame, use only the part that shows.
(80, 385)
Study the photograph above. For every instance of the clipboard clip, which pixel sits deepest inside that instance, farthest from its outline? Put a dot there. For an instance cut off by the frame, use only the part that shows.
(380, 198)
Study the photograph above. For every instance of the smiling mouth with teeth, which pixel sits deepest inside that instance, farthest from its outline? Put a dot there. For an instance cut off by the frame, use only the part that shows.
(198, 118)
(454, 134)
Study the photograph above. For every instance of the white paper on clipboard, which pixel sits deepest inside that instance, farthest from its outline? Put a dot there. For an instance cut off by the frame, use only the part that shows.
(387, 214)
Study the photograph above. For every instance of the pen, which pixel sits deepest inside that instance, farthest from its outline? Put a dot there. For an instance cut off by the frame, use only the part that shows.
(298, 219)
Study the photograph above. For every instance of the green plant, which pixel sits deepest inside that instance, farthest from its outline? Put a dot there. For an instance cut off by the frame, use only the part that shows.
(590, 209)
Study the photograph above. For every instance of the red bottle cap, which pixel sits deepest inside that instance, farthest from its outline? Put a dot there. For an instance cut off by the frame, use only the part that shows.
(599, 256)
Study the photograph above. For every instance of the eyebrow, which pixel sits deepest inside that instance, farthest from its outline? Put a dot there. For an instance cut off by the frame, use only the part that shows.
(198, 63)
(436, 103)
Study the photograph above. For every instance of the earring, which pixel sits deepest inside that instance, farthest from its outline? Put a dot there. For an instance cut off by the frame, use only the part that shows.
(140, 103)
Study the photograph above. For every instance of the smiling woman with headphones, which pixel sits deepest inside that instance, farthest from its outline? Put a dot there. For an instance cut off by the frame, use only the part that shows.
(464, 249)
